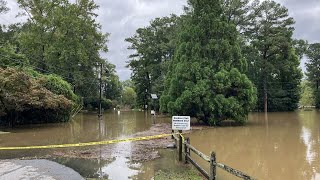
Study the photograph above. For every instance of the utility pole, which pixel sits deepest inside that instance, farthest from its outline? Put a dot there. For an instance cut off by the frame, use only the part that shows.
(100, 97)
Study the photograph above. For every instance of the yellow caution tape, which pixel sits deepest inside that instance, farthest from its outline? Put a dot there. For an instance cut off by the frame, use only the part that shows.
(182, 137)
(90, 143)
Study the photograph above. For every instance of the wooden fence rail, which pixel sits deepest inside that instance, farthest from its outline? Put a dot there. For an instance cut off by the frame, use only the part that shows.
(211, 160)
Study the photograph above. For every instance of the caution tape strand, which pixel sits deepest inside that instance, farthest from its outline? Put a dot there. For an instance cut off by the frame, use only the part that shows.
(91, 143)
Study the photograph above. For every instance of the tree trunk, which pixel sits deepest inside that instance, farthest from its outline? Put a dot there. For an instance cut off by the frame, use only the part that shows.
(265, 95)
(265, 76)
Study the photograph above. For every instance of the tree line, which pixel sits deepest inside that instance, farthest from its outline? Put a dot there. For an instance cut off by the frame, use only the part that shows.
(56, 52)
(221, 59)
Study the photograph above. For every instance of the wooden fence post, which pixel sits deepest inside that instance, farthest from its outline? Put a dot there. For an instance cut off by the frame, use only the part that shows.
(180, 146)
(213, 167)
(186, 150)
(172, 134)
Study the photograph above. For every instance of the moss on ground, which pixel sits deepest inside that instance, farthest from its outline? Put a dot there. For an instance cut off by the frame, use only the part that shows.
(183, 175)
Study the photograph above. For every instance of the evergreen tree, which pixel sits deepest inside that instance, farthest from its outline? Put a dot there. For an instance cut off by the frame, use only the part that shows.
(273, 60)
(206, 78)
(154, 47)
(313, 70)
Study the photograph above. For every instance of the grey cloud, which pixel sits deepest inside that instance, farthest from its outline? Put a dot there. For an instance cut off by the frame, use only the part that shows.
(121, 18)
(128, 15)
(306, 14)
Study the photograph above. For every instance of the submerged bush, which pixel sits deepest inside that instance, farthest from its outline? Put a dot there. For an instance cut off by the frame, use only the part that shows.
(26, 99)
(54, 83)
(58, 86)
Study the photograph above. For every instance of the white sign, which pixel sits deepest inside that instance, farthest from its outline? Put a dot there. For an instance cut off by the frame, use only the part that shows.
(180, 122)
(154, 96)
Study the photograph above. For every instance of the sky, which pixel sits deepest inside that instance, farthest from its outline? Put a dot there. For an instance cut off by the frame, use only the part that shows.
(121, 18)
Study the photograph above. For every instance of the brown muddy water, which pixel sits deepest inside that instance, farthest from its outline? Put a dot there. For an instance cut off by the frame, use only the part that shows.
(282, 146)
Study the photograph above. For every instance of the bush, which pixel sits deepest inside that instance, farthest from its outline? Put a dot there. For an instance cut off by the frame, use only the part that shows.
(54, 83)
(25, 99)
(58, 86)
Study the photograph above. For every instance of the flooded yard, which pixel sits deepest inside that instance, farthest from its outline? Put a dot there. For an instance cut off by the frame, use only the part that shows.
(277, 146)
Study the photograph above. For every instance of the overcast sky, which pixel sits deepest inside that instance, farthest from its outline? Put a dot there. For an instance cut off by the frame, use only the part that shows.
(122, 17)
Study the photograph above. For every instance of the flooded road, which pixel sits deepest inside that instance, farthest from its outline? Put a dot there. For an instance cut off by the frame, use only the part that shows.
(280, 146)
(284, 146)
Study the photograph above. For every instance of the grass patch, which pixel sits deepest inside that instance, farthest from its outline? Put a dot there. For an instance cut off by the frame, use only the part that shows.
(183, 175)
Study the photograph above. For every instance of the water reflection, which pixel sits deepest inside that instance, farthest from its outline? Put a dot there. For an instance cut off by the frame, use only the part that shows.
(277, 146)
(306, 137)
(121, 168)
(310, 126)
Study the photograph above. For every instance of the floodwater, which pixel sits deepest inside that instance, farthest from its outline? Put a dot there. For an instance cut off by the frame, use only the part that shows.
(278, 146)
(88, 128)
(283, 146)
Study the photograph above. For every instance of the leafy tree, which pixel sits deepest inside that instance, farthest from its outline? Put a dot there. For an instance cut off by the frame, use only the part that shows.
(129, 97)
(307, 98)
(127, 83)
(111, 88)
(153, 48)
(111, 83)
(64, 38)
(8, 56)
(313, 70)
(273, 61)
(206, 79)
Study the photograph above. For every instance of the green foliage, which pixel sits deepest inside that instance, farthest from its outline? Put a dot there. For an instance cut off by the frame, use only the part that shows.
(57, 85)
(313, 70)
(154, 46)
(273, 57)
(129, 97)
(53, 83)
(206, 79)
(127, 83)
(61, 40)
(307, 95)
(301, 47)
(8, 56)
(93, 103)
(64, 38)
(111, 84)
(24, 99)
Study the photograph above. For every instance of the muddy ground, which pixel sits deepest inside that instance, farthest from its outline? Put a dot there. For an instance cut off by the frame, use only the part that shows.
(137, 151)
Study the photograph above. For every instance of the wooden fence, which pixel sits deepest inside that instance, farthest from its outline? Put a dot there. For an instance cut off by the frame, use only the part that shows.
(211, 160)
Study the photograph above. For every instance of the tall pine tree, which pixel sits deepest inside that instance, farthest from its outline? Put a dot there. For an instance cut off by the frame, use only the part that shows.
(313, 70)
(206, 78)
(273, 60)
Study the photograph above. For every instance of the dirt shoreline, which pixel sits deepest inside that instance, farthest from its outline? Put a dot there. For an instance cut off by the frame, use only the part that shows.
(136, 151)
(139, 151)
